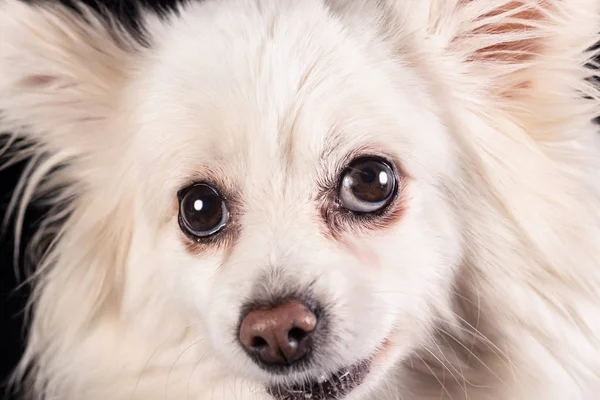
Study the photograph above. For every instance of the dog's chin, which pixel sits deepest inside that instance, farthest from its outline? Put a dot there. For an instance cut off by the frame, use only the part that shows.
(344, 382)
(326, 387)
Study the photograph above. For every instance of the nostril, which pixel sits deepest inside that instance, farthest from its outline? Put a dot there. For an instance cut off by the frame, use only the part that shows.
(296, 335)
(258, 343)
(278, 336)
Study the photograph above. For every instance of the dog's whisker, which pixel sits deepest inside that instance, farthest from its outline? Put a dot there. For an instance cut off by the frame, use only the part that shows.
(434, 375)
(449, 366)
(156, 352)
(473, 331)
(194, 343)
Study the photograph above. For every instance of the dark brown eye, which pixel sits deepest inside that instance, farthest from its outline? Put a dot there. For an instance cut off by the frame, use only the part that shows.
(202, 211)
(367, 185)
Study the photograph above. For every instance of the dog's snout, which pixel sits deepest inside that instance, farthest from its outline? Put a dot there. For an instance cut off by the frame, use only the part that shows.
(281, 335)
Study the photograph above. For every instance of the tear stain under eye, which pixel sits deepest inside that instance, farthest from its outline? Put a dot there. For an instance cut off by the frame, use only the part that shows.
(366, 255)
(221, 243)
(337, 221)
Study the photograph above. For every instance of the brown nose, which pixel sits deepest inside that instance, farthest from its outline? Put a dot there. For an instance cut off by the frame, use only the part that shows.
(279, 335)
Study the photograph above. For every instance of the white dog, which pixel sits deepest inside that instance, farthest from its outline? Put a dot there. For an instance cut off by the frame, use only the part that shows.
(312, 199)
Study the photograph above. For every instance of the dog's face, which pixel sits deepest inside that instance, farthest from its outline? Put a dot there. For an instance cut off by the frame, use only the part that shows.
(288, 162)
(290, 190)
(285, 175)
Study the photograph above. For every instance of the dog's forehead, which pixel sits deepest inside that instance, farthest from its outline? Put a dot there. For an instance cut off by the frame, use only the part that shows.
(267, 94)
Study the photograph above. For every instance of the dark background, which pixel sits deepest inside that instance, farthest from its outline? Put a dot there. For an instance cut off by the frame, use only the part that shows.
(12, 300)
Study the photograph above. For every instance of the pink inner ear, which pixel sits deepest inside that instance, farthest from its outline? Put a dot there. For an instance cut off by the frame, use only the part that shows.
(35, 81)
(516, 33)
(519, 17)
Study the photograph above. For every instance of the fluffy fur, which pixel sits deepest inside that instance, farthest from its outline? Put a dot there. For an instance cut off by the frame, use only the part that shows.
(486, 287)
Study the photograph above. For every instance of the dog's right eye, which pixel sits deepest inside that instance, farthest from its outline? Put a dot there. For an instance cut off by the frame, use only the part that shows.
(202, 211)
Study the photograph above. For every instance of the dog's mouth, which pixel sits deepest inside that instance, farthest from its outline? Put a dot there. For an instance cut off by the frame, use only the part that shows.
(333, 387)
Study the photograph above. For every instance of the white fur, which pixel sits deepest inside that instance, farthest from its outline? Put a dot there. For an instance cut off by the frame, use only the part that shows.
(487, 288)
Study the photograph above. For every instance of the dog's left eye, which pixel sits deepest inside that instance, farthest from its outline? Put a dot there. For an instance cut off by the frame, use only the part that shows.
(202, 211)
(367, 185)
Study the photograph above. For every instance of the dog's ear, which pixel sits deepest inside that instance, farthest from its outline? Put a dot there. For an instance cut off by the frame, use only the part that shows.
(529, 58)
(62, 73)
(513, 43)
